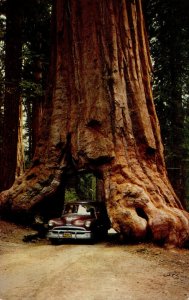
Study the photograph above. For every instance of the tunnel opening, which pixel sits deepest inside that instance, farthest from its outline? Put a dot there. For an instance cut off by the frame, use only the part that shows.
(82, 186)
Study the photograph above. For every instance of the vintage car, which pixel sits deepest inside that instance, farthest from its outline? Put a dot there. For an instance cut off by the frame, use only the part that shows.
(80, 221)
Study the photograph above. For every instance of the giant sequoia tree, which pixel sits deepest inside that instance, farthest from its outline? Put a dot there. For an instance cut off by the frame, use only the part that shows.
(99, 116)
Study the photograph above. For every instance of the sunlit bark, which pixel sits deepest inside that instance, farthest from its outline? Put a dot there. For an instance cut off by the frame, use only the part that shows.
(20, 146)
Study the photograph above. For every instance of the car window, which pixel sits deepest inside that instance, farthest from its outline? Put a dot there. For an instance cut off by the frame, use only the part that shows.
(70, 208)
(82, 210)
(79, 209)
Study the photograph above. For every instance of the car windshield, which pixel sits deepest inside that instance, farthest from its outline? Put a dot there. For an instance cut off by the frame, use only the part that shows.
(80, 209)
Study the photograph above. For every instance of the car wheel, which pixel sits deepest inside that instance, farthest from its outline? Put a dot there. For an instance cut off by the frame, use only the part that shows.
(93, 239)
(103, 234)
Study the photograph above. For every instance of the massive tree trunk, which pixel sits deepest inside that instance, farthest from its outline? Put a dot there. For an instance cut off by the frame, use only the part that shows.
(99, 116)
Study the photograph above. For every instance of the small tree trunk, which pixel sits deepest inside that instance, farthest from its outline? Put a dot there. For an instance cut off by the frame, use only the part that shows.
(37, 107)
(20, 146)
(100, 116)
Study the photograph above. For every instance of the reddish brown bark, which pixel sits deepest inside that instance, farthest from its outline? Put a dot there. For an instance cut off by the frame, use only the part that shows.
(100, 116)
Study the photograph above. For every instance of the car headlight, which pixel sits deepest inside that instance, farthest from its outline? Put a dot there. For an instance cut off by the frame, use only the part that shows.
(51, 223)
(88, 223)
(78, 223)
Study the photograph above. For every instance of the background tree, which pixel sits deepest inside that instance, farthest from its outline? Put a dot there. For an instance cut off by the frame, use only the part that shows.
(169, 35)
(12, 101)
(33, 59)
(2, 68)
(99, 116)
(36, 51)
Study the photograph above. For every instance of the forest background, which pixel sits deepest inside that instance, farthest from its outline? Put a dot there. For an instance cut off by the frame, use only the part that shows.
(25, 38)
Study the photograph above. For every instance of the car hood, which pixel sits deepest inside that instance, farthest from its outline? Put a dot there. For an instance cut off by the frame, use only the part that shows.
(69, 218)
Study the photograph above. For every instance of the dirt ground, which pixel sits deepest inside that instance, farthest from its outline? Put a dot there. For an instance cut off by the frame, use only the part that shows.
(104, 271)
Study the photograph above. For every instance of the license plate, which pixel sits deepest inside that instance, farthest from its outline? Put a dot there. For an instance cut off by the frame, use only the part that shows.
(67, 235)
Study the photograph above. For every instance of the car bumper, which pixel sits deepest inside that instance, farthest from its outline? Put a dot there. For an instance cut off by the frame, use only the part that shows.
(75, 233)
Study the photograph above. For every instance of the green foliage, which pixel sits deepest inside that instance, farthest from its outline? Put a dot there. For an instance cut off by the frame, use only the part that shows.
(80, 187)
(87, 186)
(32, 89)
(2, 27)
(71, 195)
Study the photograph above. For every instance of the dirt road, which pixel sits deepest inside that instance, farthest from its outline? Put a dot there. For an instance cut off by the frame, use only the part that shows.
(105, 271)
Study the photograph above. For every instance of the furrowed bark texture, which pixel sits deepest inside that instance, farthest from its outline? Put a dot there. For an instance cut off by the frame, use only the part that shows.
(100, 116)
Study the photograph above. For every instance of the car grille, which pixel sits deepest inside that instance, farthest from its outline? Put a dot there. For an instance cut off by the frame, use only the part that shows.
(71, 229)
(70, 232)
